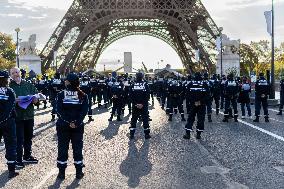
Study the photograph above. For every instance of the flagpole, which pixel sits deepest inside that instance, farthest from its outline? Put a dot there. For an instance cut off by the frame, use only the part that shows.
(272, 95)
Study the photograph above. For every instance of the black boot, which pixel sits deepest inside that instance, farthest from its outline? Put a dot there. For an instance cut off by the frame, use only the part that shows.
(256, 119)
(279, 113)
(12, 172)
(266, 119)
(182, 117)
(53, 117)
(131, 134)
(147, 136)
(225, 119)
(111, 116)
(170, 117)
(118, 118)
(176, 111)
(217, 111)
(198, 135)
(209, 118)
(79, 172)
(90, 119)
(236, 118)
(61, 174)
(187, 135)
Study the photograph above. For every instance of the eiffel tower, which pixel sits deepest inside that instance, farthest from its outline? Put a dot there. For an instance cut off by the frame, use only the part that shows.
(90, 26)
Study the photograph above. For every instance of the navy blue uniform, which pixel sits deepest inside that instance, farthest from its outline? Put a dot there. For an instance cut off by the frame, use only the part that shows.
(102, 92)
(175, 98)
(8, 125)
(244, 98)
(127, 84)
(87, 89)
(139, 94)
(197, 93)
(216, 93)
(262, 89)
(117, 94)
(56, 85)
(222, 92)
(42, 87)
(231, 94)
(70, 109)
(281, 97)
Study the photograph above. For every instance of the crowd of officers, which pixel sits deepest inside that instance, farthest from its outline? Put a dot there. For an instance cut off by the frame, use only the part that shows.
(73, 97)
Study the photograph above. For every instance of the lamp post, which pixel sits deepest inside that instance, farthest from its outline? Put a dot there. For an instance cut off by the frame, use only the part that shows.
(17, 58)
(221, 40)
(272, 95)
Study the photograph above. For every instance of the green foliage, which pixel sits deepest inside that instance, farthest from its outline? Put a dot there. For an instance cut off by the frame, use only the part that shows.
(7, 52)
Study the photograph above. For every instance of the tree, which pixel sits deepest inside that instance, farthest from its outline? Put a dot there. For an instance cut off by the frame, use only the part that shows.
(7, 52)
(249, 59)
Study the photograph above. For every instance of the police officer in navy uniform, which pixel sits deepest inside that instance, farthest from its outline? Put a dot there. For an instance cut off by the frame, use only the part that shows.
(216, 92)
(281, 97)
(140, 95)
(262, 89)
(222, 91)
(7, 122)
(197, 92)
(117, 92)
(42, 87)
(127, 84)
(151, 88)
(56, 85)
(244, 97)
(209, 100)
(175, 98)
(72, 107)
(102, 92)
(231, 91)
(86, 88)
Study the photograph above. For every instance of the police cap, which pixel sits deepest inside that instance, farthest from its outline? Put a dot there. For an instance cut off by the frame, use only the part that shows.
(72, 77)
(4, 74)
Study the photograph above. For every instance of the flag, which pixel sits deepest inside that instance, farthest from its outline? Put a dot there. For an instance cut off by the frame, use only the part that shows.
(197, 55)
(218, 43)
(268, 17)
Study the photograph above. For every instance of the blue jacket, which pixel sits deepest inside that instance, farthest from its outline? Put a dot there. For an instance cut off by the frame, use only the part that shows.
(7, 104)
(70, 108)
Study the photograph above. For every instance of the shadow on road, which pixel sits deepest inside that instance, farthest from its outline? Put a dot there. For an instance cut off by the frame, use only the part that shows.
(136, 165)
(56, 184)
(4, 179)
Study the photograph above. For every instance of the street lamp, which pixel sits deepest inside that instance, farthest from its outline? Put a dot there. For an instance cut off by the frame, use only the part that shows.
(221, 40)
(272, 95)
(17, 59)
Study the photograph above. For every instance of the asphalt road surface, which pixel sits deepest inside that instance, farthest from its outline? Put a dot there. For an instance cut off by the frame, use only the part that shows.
(229, 155)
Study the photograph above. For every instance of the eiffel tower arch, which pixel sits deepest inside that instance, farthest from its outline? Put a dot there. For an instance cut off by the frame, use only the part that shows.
(90, 26)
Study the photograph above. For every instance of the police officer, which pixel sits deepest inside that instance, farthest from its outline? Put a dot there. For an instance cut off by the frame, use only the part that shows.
(222, 84)
(216, 92)
(86, 88)
(175, 98)
(7, 122)
(231, 91)
(281, 96)
(117, 92)
(56, 85)
(139, 95)
(262, 89)
(127, 84)
(102, 92)
(151, 88)
(42, 87)
(244, 97)
(72, 107)
(209, 100)
(197, 92)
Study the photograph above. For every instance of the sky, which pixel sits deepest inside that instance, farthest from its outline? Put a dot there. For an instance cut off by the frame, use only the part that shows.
(241, 19)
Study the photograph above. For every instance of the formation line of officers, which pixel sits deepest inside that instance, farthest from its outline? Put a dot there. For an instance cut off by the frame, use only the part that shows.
(72, 99)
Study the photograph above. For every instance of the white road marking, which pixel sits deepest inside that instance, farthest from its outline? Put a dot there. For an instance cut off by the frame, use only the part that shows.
(259, 129)
(273, 110)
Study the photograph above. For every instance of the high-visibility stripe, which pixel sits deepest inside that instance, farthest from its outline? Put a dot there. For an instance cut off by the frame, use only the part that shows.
(62, 162)
(78, 162)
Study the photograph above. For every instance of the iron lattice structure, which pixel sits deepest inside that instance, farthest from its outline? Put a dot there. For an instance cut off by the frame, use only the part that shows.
(90, 26)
